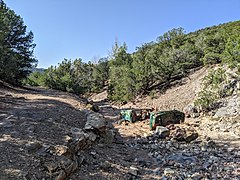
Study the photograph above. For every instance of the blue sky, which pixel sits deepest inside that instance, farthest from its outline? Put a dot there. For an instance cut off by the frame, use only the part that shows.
(87, 29)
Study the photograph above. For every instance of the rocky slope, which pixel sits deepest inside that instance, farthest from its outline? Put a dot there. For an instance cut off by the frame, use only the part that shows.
(48, 134)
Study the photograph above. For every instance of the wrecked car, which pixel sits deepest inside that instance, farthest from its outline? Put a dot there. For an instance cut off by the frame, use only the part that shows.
(133, 115)
(164, 118)
(129, 115)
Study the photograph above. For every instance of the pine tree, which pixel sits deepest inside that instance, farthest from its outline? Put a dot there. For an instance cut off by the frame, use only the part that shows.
(16, 46)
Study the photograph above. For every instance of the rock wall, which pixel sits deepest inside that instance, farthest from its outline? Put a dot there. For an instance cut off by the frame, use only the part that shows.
(64, 160)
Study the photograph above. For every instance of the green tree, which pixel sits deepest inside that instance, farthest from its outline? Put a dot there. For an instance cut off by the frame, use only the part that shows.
(231, 54)
(100, 74)
(122, 83)
(142, 68)
(35, 79)
(212, 44)
(16, 46)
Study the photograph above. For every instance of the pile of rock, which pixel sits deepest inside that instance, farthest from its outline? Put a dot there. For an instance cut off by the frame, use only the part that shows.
(223, 124)
(230, 107)
(182, 155)
(62, 160)
(176, 133)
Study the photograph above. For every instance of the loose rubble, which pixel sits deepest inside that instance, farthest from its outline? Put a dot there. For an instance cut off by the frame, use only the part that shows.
(197, 159)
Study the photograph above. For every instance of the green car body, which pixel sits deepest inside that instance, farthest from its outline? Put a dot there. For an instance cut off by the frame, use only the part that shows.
(164, 118)
(129, 115)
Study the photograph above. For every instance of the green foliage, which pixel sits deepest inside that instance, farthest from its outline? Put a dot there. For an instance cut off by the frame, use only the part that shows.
(208, 97)
(214, 78)
(224, 47)
(214, 45)
(121, 77)
(218, 84)
(231, 54)
(76, 76)
(206, 100)
(153, 66)
(16, 47)
(100, 75)
(59, 77)
(35, 79)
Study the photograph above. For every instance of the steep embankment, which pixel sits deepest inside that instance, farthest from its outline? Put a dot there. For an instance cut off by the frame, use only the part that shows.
(177, 97)
(224, 130)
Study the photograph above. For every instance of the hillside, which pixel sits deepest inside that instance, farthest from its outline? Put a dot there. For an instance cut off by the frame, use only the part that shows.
(169, 110)
(151, 69)
(178, 97)
(39, 127)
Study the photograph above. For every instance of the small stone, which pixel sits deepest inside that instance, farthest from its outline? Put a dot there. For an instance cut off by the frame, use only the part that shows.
(93, 153)
(60, 150)
(190, 136)
(33, 146)
(51, 167)
(195, 115)
(169, 171)
(156, 171)
(105, 166)
(208, 138)
(101, 145)
(68, 170)
(196, 176)
(145, 135)
(62, 175)
(133, 170)
(164, 178)
(67, 138)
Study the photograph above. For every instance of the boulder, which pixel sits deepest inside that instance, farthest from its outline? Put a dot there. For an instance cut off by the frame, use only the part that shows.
(162, 131)
(95, 122)
(182, 134)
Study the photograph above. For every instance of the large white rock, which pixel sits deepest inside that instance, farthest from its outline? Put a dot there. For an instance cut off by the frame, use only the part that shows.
(162, 131)
(95, 122)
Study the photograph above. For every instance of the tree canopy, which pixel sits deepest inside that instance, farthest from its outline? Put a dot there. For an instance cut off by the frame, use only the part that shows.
(16, 46)
(152, 67)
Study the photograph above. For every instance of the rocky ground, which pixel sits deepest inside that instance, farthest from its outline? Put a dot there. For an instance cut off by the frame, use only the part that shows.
(48, 134)
(33, 124)
(137, 153)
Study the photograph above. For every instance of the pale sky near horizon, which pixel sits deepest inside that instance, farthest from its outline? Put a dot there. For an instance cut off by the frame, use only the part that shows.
(87, 29)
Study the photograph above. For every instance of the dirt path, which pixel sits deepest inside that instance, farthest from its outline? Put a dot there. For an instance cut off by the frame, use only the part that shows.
(34, 122)
(31, 120)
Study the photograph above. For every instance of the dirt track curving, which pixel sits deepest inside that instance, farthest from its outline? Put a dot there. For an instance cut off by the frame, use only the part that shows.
(32, 121)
